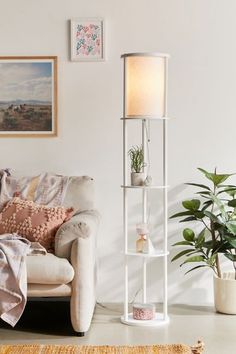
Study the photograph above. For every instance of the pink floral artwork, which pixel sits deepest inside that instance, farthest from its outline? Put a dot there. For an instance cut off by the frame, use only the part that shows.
(87, 41)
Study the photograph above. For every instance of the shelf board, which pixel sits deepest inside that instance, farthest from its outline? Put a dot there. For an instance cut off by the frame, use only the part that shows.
(145, 187)
(158, 321)
(133, 253)
(146, 118)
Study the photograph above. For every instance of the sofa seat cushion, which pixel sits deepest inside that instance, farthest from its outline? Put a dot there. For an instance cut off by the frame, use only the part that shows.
(49, 290)
(48, 269)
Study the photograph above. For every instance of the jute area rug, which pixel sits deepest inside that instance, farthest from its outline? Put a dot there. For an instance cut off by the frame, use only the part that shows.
(75, 349)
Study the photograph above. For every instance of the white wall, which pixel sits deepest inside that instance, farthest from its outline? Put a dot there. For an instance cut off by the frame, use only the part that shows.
(200, 36)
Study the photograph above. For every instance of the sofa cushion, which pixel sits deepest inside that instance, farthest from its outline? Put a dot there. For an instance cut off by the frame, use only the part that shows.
(48, 269)
(38, 223)
(79, 193)
(49, 290)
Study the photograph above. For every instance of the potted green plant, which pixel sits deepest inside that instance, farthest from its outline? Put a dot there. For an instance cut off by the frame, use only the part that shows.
(137, 164)
(215, 210)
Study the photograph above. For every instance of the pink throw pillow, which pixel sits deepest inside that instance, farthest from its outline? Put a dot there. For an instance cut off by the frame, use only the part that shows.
(37, 223)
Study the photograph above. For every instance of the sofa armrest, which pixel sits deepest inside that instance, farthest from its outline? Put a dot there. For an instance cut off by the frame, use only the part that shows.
(83, 297)
(82, 225)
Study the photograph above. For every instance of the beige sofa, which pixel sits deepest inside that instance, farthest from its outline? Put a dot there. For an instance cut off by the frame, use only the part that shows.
(71, 272)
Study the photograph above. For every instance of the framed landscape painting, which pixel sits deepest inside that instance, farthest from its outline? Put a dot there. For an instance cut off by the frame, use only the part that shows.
(87, 39)
(28, 96)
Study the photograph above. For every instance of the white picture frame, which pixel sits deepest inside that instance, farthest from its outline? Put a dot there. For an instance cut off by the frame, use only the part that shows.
(87, 39)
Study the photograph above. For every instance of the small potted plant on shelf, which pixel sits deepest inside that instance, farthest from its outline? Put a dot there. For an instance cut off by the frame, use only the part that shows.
(137, 164)
(216, 213)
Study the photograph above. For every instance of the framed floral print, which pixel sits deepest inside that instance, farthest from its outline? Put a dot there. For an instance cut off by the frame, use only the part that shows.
(28, 96)
(87, 39)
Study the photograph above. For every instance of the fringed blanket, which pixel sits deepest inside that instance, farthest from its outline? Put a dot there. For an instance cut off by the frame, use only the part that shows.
(45, 189)
(13, 275)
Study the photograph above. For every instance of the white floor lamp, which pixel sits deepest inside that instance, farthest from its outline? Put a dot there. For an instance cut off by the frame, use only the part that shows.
(145, 98)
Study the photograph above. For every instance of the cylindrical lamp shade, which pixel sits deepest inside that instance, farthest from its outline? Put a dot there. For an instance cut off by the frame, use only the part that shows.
(145, 85)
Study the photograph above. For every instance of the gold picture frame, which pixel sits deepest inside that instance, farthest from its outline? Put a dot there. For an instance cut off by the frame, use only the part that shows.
(28, 96)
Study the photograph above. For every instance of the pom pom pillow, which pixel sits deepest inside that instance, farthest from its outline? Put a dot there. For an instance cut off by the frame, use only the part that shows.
(37, 223)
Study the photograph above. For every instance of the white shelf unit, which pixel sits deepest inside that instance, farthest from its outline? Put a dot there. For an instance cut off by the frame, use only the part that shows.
(152, 255)
(157, 321)
(145, 187)
(160, 318)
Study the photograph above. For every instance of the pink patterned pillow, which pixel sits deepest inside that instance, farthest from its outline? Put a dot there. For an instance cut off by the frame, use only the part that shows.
(33, 221)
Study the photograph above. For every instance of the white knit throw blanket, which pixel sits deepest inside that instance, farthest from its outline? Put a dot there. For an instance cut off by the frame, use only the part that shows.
(47, 189)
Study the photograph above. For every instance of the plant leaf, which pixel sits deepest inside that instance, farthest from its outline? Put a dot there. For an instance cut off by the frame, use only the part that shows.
(214, 177)
(199, 214)
(197, 267)
(201, 238)
(190, 218)
(208, 201)
(208, 244)
(232, 203)
(212, 259)
(231, 226)
(214, 246)
(226, 186)
(183, 243)
(198, 185)
(230, 256)
(193, 259)
(182, 253)
(220, 206)
(204, 193)
(183, 213)
(188, 234)
(206, 205)
(210, 215)
(193, 204)
(231, 240)
(230, 191)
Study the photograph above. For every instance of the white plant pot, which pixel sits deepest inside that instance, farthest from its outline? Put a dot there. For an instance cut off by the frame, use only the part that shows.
(137, 179)
(225, 293)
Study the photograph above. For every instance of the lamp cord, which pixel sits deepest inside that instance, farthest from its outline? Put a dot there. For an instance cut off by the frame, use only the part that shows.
(148, 140)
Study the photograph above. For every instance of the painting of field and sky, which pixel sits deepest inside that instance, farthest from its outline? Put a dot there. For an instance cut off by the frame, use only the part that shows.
(28, 97)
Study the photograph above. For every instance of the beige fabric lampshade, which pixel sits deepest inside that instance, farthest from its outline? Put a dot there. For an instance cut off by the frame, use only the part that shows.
(145, 86)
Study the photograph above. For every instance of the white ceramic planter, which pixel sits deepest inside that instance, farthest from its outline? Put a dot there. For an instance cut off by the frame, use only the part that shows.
(137, 179)
(225, 293)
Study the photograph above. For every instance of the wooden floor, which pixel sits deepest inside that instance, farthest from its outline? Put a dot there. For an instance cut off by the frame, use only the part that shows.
(49, 323)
